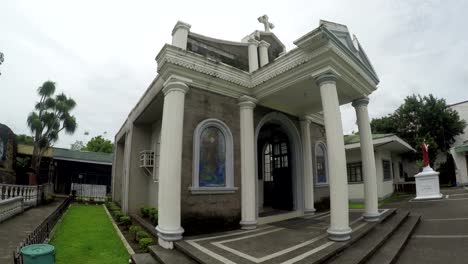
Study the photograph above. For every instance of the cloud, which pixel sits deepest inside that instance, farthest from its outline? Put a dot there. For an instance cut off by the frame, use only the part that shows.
(101, 53)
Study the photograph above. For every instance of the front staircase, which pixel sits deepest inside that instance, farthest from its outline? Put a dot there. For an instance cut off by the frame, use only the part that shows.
(380, 244)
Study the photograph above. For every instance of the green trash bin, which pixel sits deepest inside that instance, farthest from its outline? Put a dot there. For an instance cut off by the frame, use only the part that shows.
(38, 254)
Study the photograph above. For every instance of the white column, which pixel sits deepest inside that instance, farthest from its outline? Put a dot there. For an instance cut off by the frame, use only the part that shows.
(126, 169)
(253, 55)
(248, 213)
(371, 212)
(307, 163)
(339, 229)
(180, 35)
(263, 48)
(169, 228)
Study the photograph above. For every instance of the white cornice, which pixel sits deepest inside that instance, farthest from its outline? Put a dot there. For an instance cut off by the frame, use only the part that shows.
(317, 118)
(190, 60)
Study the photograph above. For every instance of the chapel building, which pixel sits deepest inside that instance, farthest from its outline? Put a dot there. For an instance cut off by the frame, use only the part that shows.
(247, 132)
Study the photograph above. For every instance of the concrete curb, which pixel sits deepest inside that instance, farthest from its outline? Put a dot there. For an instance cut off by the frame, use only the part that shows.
(121, 236)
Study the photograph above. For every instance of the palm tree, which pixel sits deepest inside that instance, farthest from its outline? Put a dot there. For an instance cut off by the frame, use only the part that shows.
(50, 117)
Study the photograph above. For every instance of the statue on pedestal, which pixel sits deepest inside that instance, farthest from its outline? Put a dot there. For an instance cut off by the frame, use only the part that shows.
(427, 181)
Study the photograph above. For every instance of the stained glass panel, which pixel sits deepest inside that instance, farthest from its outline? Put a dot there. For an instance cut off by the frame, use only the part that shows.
(212, 166)
(320, 157)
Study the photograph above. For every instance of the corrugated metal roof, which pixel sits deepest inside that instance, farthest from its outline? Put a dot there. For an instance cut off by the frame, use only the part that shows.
(72, 155)
(84, 156)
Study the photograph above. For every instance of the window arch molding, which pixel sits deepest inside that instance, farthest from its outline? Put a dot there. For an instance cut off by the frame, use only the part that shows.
(229, 158)
(321, 168)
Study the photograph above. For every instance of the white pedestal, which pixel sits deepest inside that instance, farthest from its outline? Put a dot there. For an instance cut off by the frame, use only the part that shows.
(427, 185)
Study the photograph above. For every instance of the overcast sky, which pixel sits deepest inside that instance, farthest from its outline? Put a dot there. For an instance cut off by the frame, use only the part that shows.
(101, 53)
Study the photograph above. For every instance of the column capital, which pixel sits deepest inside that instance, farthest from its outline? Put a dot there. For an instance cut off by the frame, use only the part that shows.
(253, 41)
(263, 44)
(363, 101)
(175, 83)
(246, 101)
(325, 78)
(305, 120)
(181, 25)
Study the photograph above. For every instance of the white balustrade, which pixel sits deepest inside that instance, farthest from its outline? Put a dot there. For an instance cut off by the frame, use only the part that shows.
(15, 198)
(11, 207)
(29, 193)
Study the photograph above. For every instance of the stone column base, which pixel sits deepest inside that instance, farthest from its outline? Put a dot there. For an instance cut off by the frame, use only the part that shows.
(309, 211)
(247, 225)
(166, 237)
(339, 235)
(371, 217)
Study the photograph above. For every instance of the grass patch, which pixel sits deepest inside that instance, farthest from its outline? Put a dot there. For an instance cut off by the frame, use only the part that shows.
(396, 197)
(85, 236)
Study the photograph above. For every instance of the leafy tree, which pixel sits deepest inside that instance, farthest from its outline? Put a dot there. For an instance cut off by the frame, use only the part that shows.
(423, 118)
(24, 139)
(50, 117)
(78, 145)
(99, 144)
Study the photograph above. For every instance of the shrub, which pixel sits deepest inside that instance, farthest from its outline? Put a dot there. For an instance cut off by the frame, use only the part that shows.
(113, 206)
(141, 234)
(125, 221)
(117, 214)
(153, 215)
(144, 211)
(134, 229)
(144, 243)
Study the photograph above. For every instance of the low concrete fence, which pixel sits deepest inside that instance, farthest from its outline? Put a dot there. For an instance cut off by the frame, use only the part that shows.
(90, 191)
(30, 193)
(11, 207)
(14, 199)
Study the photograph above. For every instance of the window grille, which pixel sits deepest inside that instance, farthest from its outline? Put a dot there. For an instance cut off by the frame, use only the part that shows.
(354, 172)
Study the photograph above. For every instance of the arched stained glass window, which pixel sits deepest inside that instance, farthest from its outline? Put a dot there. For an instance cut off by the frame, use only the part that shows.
(212, 167)
(213, 158)
(321, 164)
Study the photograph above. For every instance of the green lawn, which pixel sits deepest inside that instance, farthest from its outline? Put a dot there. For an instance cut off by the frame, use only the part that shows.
(393, 198)
(86, 235)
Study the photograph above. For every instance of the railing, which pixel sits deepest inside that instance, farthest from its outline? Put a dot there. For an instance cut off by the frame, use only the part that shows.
(95, 192)
(30, 193)
(42, 232)
(11, 207)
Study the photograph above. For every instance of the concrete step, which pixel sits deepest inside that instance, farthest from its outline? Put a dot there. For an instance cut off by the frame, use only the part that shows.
(143, 258)
(390, 251)
(166, 256)
(360, 251)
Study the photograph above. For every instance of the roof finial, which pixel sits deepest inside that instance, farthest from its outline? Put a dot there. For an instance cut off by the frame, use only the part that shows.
(264, 20)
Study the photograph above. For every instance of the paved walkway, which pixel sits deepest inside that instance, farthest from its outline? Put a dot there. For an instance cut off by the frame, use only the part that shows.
(442, 234)
(290, 241)
(15, 229)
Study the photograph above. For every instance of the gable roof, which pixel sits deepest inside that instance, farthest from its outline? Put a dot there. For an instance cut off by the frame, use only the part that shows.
(343, 35)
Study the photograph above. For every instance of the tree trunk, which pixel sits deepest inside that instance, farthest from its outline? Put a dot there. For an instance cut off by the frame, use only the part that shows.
(36, 159)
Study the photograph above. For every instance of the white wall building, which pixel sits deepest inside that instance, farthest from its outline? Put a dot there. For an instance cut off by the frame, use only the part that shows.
(389, 163)
(459, 148)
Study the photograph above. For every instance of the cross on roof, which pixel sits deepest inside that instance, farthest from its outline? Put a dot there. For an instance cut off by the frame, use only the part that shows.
(264, 20)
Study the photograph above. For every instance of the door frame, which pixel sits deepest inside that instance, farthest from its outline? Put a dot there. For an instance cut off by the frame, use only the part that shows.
(296, 157)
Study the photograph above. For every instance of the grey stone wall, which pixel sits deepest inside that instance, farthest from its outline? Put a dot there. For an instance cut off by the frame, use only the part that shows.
(216, 210)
